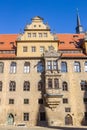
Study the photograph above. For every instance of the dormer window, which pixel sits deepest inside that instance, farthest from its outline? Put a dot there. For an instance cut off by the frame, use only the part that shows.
(11, 43)
(71, 42)
(62, 42)
(75, 36)
(1, 42)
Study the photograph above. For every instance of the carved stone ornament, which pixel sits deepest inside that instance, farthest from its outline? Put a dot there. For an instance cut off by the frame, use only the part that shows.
(52, 53)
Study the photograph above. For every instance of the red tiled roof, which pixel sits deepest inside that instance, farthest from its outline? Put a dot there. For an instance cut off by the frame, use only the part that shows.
(71, 41)
(6, 39)
(75, 40)
(73, 55)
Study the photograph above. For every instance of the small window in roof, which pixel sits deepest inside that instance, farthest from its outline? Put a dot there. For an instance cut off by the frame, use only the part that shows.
(71, 42)
(75, 36)
(62, 42)
(1, 42)
(11, 42)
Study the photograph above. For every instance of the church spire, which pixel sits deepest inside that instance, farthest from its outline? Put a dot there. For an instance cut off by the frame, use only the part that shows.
(79, 28)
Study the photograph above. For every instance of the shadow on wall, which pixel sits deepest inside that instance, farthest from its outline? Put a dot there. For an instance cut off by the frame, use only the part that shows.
(84, 120)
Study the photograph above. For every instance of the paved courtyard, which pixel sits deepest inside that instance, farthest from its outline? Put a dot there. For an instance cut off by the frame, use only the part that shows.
(43, 128)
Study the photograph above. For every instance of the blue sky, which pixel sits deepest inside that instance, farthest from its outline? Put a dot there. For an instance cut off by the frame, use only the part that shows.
(60, 14)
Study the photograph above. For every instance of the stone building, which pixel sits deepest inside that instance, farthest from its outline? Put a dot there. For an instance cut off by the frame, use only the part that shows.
(43, 76)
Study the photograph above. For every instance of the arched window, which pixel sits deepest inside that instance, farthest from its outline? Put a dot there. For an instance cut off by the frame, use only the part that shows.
(77, 66)
(40, 85)
(50, 83)
(56, 83)
(1, 67)
(26, 86)
(83, 85)
(12, 86)
(26, 67)
(85, 66)
(64, 86)
(40, 67)
(63, 67)
(68, 120)
(0, 85)
(13, 67)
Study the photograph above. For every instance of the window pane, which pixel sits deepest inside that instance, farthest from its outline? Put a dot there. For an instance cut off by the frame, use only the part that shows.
(13, 67)
(49, 65)
(26, 86)
(63, 67)
(26, 67)
(64, 86)
(56, 83)
(0, 85)
(26, 116)
(40, 67)
(55, 65)
(85, 66)
(76, 66)
(49, 83)
(1, 67)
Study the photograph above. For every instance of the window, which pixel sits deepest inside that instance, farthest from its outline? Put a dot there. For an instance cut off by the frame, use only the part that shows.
(63, 67)
(29, 34)
(13, 67)
(1, 67)
(42, 49)
(83, 85)
(49, 83)
(65, 100)
(77, 66)
(11, 101)
(40, 85)
(56, 83)
(40, 101)
(0, 85)
(40, 67)
(26, 116)
(67, 109)
(26, 86)
(26, 67)
(85, 66)
(62, 42)
(34, 34)
(40, 34)
(64, 86)
(12, 86)
(42, 116)
(25, 49)
(45, 34)
(26, 101)
(49, 65)
(85, 100)
(33, 49)
(55, 65)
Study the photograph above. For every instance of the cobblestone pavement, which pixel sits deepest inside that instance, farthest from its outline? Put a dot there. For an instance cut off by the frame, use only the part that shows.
(43, 128)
